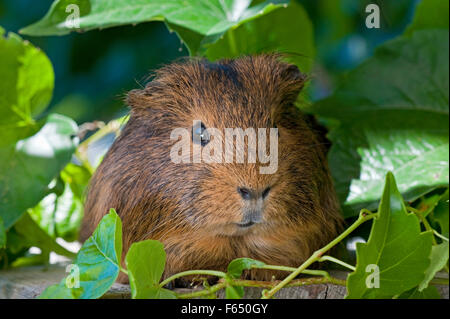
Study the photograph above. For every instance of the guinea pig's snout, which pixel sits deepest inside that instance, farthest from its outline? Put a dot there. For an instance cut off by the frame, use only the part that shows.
(253, 207)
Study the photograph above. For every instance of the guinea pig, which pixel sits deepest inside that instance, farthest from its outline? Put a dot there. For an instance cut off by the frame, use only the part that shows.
(209, 213)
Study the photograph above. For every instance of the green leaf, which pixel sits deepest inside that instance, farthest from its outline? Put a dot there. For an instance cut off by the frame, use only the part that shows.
(233, 292)
(77, 177)
(192, 40)
(31, 260)
(396, 246)
(390, 121)
(60, 214)
(25, 90)
(157, 293)
(237, 266)
(57, 292)
(234, 270)
(270, 33)
(205, 17)
(430, 292)
(430, 14)
(145, 262)
(439, 258)
(2, 234)
(28, 228)
(98, 262)
(31, 152)
(441, 214)
(16, 243)
(27, 168)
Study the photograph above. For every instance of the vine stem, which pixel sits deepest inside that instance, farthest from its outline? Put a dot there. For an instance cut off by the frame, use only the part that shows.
(192, 272)
(337, 261)
(260, 284)
(364, 216)
(223, 275)
(205, 292)
(439, 235)
(292, 269)
(232, 41)
(248, 283)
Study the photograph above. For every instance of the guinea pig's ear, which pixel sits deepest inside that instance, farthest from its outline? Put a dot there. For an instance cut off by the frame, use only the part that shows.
(291, 82)
(141, 99)
(293, 73)
(293, 77)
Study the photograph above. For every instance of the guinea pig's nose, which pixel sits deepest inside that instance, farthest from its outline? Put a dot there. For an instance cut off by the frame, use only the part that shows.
(248, 194)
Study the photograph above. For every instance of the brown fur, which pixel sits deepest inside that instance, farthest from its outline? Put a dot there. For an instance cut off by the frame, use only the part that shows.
(192, 208)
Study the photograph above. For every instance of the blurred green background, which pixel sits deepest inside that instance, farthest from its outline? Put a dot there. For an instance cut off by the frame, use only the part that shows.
(94, 70)
(389, 115)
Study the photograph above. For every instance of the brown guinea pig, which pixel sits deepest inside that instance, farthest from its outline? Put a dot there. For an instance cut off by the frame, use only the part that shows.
(207, 214)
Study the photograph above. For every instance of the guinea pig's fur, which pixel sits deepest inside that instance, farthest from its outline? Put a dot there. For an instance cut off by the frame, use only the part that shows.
(194, 208)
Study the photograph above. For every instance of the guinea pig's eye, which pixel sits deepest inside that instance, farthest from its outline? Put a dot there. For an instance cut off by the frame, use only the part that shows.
(200, 134)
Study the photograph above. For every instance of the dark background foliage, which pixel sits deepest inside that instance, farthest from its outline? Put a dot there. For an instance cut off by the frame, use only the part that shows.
(94, 70)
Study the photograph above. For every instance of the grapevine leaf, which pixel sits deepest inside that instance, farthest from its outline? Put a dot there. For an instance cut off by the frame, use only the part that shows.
(389, 121)
(441, 214)
(28, 167)
(31, 152)
(270, 33)
(156, 293)
(430, 14)
(237, 266)
(430, 292)
(97, 262)
(60, 212)
(205, 17)
(396, 247)
(439, 258)
(145, 262)
(233, 292)
(235, 269)
(25, 90)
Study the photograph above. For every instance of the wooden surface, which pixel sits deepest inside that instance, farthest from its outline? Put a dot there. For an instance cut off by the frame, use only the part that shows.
(29, 282)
